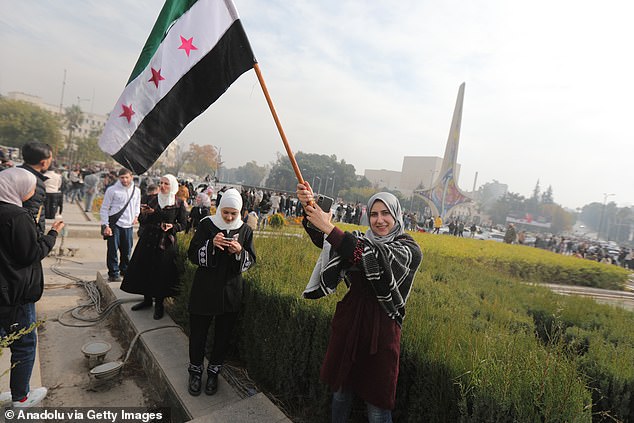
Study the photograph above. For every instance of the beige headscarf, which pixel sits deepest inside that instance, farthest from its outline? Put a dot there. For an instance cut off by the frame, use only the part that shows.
(15, 183)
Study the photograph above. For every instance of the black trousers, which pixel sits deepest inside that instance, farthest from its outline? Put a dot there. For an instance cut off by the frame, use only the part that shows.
(53, 203)
(199, 327)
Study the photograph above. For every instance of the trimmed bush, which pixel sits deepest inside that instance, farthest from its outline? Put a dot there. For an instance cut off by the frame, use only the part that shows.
(478, 344)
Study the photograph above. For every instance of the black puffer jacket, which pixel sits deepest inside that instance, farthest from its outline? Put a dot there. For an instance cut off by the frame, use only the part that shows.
(34, 203)
(22, 249)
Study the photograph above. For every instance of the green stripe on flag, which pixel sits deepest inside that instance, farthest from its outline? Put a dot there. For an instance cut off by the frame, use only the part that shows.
(172, 10)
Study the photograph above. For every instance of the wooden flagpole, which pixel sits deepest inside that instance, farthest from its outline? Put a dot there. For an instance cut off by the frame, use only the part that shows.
(298, 173)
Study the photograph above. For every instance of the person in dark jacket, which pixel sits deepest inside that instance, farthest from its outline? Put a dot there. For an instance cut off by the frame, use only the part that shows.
(37, 158)
(22, 249)
(200, 210)
(222, 248)
(152, 270)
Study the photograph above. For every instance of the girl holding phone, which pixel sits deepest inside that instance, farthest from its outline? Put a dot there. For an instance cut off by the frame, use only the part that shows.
(222, 247)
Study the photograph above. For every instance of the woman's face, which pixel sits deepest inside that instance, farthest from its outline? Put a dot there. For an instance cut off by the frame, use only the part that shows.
(381, 221)
(164, 186)
(229, 214)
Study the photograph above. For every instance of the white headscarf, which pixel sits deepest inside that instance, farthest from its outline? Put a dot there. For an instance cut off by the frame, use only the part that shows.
(15, 183)
(392, 204)
(232, 199)
(168, 199)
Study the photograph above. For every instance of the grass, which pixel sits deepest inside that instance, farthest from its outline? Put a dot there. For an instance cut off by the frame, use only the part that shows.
(478, 343)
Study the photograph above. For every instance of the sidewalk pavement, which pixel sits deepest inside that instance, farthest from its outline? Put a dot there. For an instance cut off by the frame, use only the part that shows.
(162, 351)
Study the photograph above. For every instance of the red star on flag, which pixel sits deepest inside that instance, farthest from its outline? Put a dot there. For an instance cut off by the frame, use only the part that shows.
(187, 45)
(156, 77)
(127, 112)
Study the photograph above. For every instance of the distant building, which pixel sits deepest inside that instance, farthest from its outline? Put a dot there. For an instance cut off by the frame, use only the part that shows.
(490, 192)
(92, 121)
(417, 172)
(382, 178)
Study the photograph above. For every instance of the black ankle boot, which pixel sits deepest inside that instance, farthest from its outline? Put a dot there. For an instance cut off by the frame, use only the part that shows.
(159, 310)
(195, 383)
(146, 303)
(212, 383)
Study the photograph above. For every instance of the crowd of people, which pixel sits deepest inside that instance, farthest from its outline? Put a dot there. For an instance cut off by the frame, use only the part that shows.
(222, 249)
(378, 265)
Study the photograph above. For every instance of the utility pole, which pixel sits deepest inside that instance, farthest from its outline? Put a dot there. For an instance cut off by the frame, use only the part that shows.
(605, 202)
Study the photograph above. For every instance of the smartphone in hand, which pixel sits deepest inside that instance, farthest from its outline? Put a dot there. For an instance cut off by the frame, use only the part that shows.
(325, 203)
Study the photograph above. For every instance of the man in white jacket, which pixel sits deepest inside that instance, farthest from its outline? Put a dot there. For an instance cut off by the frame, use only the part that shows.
(122, 199)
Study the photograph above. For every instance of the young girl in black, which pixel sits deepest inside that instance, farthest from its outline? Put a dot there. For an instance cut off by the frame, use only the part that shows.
(222, 248)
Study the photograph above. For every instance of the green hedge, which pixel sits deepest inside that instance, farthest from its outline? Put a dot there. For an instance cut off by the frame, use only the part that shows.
(477, 346)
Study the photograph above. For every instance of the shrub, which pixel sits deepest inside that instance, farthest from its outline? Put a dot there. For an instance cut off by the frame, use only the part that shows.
(277, 220)
(478, 345)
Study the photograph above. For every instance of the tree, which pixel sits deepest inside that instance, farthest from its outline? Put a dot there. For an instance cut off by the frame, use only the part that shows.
(536, 191)
(533, 202)
(591, 215)
(22, 122)
(250, 174)
(173, 159)
(560, 219)
(619, 228)
(547, 196)
(357, 194)
(202, 160)
(88, 149)
(73, 117)
(510, 203)
(329, 175)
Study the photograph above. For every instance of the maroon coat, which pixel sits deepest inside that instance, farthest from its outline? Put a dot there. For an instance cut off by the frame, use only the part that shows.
(365, 344)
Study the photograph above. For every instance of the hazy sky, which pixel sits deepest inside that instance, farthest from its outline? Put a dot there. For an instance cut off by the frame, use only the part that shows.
(548, 83)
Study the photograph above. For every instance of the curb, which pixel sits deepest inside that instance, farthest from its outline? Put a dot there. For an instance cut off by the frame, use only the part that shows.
(164, 355)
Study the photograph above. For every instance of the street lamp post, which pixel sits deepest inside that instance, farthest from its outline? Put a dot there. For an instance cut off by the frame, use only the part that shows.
(605, 202)
(431, 181)
(319, 187)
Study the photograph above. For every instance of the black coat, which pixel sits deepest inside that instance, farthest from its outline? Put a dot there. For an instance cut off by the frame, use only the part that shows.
(22, 249)
(218, 286)
(152, 270)
(195, 214)
(35, 204)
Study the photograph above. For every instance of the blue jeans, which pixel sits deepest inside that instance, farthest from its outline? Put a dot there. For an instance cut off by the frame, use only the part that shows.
(22, 352)
(342, 403)
(119, 242)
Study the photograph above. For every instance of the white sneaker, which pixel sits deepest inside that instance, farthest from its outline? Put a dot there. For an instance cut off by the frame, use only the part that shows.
(5, 398)
(33, 398)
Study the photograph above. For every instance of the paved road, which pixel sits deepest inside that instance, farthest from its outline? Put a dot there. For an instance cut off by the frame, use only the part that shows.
(623, 299)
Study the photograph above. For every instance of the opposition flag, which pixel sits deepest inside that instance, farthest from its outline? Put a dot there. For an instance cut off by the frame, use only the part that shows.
(195, 51)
